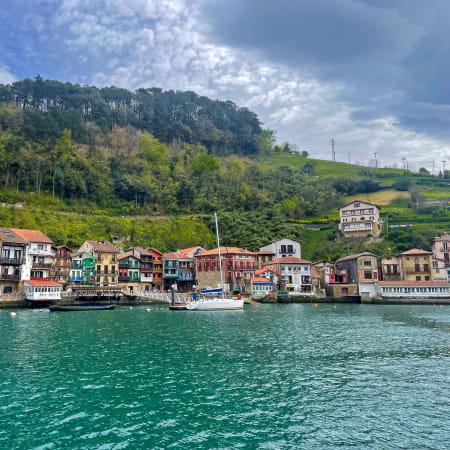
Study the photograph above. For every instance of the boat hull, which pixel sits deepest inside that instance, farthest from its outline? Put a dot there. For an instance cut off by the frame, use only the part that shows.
(81, 308)
(178, 307)
(216, 304)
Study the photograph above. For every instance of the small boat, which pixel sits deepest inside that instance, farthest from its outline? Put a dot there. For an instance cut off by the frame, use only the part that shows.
(80, 307)
(178, 307)
(215, 304)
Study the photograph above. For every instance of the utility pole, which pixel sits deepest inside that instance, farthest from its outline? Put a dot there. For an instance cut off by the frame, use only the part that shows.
(432, 173)
(443, 167)
(405, 163)
(333, 153)
(349, 161)
(376, 162)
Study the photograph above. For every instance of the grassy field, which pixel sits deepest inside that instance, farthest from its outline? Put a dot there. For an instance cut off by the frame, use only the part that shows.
(384, 197)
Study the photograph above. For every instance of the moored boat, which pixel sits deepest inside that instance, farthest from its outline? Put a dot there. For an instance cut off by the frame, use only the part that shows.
(215, 304)
(80, 307)
(178, 307)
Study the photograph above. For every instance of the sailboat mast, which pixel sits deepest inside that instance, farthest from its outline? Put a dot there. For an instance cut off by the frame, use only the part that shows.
(220, 258)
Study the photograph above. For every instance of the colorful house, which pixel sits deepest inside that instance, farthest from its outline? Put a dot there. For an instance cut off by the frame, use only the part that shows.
(12, 261)
(82, 269)
(130, 271)
(106, 254)
(179, 270)
(261, 286)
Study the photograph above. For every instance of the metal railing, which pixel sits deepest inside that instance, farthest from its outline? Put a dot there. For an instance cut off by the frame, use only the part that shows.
(12, 261)
(10, 277)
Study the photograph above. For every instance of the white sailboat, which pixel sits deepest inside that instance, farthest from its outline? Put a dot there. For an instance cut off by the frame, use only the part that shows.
(216, 303)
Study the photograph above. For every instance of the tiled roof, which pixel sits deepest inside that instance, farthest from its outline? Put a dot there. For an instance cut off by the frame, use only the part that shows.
(151, 249)
(125, 255)
(104, 246)
(176, 255)
(261, 271)
(191, 249)
(265, 252)
(287, 260)
(8, 235)
(32, 236)
(360, 201)
(142, 251)
(412, 283)
(357, 255)
(228, 250)
(42, 283)
(260, 280)
(416, 251)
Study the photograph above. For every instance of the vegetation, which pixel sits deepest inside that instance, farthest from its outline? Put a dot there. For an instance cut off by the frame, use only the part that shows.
(149, 167)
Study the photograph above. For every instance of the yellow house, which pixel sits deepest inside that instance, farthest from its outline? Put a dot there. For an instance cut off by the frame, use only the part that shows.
(107, 273)
(416, 265)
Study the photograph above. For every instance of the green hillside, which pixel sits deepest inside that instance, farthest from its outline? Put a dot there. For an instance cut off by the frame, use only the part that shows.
(151, 166)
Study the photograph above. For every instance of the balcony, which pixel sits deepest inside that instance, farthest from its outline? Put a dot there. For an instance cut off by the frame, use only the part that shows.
(10, 277)
(76, 279)
(12, 261)
(124, 278)
(76, 266)
(124, 265)
(38, 265)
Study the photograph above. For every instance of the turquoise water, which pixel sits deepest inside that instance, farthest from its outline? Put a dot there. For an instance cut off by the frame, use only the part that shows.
(273, 376)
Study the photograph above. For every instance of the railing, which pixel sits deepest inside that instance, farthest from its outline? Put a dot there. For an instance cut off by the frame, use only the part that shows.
(160, 296)
(12, 260)
(124, 278)
(76, 280)
(9, 277)
(76, 266)
(38, 265)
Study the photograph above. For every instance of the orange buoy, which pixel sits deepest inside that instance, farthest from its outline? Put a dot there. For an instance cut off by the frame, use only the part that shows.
(256, 305)
(440, 306)
(315, 305)
(334, 306)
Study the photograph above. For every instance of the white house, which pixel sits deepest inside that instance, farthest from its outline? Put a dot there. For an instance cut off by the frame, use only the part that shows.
(283, 248)
(261, 286)
(413, 289)
(359, 219)
(42, 290)
(295, 274)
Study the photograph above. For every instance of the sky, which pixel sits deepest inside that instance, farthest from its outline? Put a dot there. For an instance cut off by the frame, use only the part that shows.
(372, 74)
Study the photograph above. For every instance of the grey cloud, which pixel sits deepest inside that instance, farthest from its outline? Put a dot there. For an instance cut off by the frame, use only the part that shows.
(387, 55)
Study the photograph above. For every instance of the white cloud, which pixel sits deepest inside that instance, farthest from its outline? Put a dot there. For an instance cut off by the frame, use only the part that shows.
(163, 43)
(6, 77)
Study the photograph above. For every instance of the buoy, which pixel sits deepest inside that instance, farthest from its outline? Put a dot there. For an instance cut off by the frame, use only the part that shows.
(148, 309)
(256, 305)
(13, 314)
(131, 307)
(334, 306)
(315, 305)
(440, 306)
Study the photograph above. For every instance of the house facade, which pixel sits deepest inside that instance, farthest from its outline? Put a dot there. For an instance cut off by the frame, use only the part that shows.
(107, 266)
(82, 269)
(362, 269)
(391, 268)
(295, 275)
(129, 272)
(360, 219)
(269, 274)
(261, 287)
(146, 259)
(179, 270)
(441, 247)
(40, 261)
(12, 261)
(62, 264)
(283, 248)
(42, 291)
(417, 265)
(158, 280)
(238, 268)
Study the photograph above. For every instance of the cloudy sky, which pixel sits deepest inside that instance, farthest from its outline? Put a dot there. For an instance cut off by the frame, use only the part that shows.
(373, 74)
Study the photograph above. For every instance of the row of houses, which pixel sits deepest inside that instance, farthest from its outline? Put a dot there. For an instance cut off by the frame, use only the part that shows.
(28, 256)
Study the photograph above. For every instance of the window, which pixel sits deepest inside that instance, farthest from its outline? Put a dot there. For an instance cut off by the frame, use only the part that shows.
(416, 267)
(367, 263)
(416, 260)
(367, 275)
(105, 268)
(426, 267)
(427, 278)
(283, 249)
(40, 247)
(356, 205)
(290, 249)
(418, 278)
(445, 245)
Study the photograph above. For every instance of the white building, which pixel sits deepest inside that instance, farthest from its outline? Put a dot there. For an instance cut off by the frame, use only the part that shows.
(42, 290)
(413, 290)
(261, 286)
(295, 275)
(283, 248)
(359, 219)
(441, 247)
(40, 261)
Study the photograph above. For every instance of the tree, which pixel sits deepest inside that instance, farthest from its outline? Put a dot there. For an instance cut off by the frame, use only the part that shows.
(305, 154)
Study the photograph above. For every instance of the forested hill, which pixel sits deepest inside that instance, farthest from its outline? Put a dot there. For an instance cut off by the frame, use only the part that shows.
(51, 106)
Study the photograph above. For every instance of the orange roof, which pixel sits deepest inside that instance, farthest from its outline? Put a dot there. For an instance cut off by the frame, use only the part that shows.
(260, 280)
(42, 283)
(32, 235)
(190, 249)
(287, 260)
(261, 271)
(265, 252)
(416, 251)
(228, 250)
(413, 283)
(176, 255)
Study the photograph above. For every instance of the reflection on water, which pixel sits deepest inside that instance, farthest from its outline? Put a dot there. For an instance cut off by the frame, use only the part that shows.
(276, 376)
